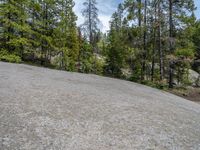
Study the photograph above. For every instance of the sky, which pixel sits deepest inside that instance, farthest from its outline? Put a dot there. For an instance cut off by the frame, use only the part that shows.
(107, 8)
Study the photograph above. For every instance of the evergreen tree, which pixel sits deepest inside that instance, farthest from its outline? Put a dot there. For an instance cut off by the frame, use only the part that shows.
(65, 35)
(155, 34)
(116, 53)
(196, 38)
(90, 26)
(177, 13)
(14, 29)
(156, 40)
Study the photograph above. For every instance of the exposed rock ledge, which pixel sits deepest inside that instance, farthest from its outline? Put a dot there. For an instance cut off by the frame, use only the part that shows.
(48, 109)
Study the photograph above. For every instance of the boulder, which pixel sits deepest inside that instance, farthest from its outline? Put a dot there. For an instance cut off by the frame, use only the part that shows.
(194, 78)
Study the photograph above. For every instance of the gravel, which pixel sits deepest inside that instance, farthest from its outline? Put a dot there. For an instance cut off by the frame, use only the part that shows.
(44, 109)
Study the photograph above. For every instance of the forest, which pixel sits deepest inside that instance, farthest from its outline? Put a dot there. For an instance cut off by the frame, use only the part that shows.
(153, 42)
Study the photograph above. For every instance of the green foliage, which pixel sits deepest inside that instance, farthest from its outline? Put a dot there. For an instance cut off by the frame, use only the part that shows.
(159, 85)
(187, 53)
(136, 74)
(117, 52)
(142, 40)
(5, 56)
(99, 64)
(15, 30)
(86, 66)
(142, 35)
(196, 39)
(73, 50)
(86, 59)
(65, 38)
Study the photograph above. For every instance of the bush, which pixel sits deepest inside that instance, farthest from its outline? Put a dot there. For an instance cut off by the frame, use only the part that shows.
(188, 53)
(136, 76)
(86, 66)
(5, 56)
(159, 84)
(98, 66)
(92, 64)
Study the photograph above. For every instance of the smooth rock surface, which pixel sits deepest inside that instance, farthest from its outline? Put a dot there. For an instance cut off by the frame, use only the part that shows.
(44, 109)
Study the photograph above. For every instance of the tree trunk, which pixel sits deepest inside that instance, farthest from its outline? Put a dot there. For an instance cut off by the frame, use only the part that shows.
(139, 13)
(144, 42)
(22, 35)
(139, 2)
(154, 43)
(171, 72)
(159, 42)
(90, 23)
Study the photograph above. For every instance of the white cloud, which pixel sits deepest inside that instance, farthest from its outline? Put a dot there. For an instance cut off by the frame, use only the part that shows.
(106, 9)
(105, 22)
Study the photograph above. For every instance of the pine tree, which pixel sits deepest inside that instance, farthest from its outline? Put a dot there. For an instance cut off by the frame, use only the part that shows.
(46, 26)
(176, 14)
(156, 34)
(116, 53)
(196, 38)
(14, 28)
(90, 26)
(66, 36)
(72, 37)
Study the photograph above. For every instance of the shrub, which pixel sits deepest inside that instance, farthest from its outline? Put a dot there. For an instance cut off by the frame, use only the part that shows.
(98, 66)
(156, 84)
(5, 56)
(188, 53)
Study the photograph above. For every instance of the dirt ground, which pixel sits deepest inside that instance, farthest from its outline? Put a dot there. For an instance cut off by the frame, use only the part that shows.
(192, 94)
